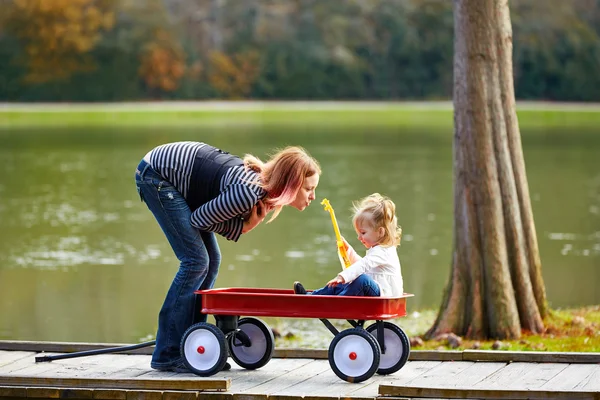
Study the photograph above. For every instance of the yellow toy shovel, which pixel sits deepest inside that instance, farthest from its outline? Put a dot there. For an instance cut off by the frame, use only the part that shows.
(342, 254)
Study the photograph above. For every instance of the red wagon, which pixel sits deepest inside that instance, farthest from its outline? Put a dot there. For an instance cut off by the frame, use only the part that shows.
(355, 354)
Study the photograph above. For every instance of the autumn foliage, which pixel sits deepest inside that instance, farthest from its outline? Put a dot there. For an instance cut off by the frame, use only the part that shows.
(57, 35)
(162, 62)
(233, 75)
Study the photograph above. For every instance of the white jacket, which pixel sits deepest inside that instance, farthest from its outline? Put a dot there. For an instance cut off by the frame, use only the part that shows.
(381, 264)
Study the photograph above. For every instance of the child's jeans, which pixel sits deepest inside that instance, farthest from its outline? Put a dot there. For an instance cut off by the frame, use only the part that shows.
(364, 285)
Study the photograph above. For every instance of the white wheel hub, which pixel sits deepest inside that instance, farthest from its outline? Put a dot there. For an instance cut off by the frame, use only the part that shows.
(353, 355)
(202, 349)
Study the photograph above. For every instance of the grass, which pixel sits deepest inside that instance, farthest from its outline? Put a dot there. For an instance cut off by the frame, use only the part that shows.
(567, 330)
(429, 115)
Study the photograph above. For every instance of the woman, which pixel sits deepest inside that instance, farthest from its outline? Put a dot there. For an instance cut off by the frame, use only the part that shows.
(195, 190)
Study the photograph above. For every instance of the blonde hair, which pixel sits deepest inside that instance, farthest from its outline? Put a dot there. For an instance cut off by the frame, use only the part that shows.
(379, 211)
(283, 175)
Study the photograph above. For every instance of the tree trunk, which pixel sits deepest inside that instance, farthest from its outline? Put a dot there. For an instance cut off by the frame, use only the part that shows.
(496, 288)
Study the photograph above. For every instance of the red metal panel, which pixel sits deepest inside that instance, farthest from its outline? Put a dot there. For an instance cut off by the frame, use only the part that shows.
(284, 303)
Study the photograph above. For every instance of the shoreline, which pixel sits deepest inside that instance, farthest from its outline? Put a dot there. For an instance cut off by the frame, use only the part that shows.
(240, 106)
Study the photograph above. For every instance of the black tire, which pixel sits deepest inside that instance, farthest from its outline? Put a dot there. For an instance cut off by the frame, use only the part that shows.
(204, 349)
(354, 355)
(397, 348)
(262, 344)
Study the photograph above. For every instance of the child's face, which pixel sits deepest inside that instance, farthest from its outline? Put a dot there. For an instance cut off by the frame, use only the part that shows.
(368, 235)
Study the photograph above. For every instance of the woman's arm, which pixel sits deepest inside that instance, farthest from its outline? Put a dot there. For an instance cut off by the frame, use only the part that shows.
(223, 213)
(257, 215)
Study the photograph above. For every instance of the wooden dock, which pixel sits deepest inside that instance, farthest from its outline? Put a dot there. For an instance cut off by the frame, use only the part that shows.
(295, 374)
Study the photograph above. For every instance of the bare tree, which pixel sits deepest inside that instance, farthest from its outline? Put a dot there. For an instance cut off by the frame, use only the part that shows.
(495, 288)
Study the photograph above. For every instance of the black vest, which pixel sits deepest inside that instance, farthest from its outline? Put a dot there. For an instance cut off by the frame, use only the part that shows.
(210, 164)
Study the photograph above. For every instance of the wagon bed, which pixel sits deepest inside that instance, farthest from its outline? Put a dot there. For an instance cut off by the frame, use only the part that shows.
(285, 303)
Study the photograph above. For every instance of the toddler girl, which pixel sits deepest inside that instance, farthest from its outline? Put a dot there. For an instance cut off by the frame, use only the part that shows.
(378, 272)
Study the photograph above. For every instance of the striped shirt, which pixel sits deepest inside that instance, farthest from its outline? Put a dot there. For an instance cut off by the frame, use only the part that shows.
(239, 190)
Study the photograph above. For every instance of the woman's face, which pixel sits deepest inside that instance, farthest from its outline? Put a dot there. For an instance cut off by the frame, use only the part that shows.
(306, 194)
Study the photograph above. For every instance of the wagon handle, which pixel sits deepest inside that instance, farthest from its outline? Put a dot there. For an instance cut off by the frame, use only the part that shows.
(342, 253)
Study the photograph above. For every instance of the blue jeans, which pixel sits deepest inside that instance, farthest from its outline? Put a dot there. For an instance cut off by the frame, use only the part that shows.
(199, 256)
(364, 285)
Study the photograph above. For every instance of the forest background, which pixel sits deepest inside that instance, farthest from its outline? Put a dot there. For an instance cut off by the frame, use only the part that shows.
(136, 50)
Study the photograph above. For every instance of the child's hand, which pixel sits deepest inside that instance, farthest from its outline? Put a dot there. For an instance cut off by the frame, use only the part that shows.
(346, 245)
(336, 281)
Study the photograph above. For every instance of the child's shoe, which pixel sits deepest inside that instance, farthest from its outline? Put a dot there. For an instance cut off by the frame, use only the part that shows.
(298, 288)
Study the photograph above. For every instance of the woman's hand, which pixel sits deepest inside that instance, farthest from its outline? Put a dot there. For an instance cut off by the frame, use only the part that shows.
(259, 212)
(336, 281)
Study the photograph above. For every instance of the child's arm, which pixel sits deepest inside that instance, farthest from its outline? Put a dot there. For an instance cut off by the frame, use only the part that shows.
(372, 260)
(336, 281)
(352, 255)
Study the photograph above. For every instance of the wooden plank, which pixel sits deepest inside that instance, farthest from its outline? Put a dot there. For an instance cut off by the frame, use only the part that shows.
(591, 382)
(27, 366)
(114, 360)
(244, 379)
(536, 376)
(249, 396)
(13, 391)
(19, 360)
(530, 356)
(438, 355)
(442, 375)
(124, 383)
(215, 396)
(107, 365)
(179, 395)
(504, 377)
(476, 372)
(410, 371)
(317, 354)
(330, 385)
(43, 392)
(291, 378)
(144, 395)
(75, 393)
(8, 357)
(325, 384)
(571, 377)
(452, 393)
(110, 394)
(326, 398)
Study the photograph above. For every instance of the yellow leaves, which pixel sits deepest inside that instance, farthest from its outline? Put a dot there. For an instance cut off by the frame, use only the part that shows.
(162, 63)
(234, 75)
(57, 34)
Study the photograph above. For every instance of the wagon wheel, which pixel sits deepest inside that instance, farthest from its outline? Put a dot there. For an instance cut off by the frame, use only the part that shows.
(261, 347)
(204, 349)
(397, 348)
(354, 355)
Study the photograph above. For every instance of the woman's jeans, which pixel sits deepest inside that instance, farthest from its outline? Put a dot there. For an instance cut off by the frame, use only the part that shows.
(198, 253)
(364, 285)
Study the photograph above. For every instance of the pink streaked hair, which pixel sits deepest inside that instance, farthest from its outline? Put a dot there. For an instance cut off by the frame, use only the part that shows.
(283, 175)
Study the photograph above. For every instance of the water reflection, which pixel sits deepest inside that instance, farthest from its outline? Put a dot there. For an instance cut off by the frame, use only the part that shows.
(81, 259)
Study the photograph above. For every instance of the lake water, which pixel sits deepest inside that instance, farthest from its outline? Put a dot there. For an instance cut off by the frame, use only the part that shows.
(82, 259)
